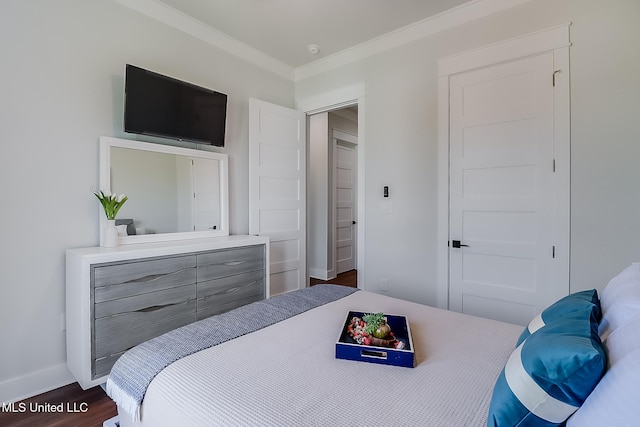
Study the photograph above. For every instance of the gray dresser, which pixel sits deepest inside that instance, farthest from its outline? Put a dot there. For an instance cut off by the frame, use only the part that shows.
(120, 297)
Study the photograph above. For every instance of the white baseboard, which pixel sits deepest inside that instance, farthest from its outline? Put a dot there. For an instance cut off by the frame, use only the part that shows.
(35, 383)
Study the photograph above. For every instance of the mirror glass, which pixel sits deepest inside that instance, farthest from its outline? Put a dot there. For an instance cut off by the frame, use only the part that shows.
(174, 192)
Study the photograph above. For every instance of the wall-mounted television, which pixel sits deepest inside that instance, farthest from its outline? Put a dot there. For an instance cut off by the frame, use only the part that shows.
(162, 106)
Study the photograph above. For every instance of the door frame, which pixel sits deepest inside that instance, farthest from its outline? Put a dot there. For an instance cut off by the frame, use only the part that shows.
(554, 40)
(334, 100)
(338, 135)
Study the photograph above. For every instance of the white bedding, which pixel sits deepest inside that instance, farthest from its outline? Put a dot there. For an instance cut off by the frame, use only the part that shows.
(287, 374)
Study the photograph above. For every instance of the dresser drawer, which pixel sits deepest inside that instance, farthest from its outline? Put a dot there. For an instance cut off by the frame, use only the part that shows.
(220, 295)
(109, 347)
(229, 262)
(133, 278)
(124, 323)
(121, 323)
(148, 302)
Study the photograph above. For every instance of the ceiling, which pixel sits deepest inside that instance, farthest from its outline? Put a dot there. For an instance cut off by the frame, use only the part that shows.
(283, 29)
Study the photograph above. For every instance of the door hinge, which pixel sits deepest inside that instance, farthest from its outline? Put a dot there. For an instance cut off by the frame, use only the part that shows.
(553, 252)
(554, 165)
(554, 76)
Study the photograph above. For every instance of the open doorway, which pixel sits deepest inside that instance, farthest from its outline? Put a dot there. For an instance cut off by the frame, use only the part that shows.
(332, 196)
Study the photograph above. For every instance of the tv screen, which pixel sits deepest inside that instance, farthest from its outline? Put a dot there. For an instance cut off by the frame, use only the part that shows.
(163, 106)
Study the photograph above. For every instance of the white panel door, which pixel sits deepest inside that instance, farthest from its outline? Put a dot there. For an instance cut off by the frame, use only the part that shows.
(277, 190)
(502, 197)
(345, 197)
(205, 176)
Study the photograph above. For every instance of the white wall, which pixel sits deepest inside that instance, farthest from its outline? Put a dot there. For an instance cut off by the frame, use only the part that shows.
(61, 88)
(401, 129)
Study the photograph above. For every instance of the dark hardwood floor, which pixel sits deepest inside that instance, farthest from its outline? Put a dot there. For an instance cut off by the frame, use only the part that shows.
(89, 408)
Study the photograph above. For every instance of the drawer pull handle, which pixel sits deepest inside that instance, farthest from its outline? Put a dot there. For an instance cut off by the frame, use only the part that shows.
(234, 263)
(152, 277)
(148, 278)
(153, 308)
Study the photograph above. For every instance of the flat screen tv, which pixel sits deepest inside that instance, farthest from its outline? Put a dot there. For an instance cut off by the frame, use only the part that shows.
(162, 106)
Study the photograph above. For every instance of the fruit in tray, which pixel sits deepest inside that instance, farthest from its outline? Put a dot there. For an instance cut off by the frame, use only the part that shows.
(372, 329)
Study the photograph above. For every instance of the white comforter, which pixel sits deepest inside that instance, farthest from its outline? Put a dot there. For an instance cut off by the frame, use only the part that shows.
(287, 374)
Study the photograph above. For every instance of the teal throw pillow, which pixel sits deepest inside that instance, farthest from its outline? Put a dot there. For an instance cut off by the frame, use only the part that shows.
(549, 375)
(578, 301)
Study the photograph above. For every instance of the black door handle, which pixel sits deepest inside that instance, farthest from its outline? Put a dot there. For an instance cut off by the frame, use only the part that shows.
(457, 244)
(353, 222)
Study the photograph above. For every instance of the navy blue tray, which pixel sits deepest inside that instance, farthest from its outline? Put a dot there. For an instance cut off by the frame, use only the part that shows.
(347, 348)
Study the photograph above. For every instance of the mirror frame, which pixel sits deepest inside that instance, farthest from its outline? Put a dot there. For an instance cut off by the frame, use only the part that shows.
(106, 143)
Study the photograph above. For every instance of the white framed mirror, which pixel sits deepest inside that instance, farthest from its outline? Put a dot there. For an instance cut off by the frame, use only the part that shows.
(174, 193)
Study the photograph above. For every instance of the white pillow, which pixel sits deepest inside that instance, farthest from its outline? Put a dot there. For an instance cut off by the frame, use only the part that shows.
(623, 341)
(620, 300)
(614, 401)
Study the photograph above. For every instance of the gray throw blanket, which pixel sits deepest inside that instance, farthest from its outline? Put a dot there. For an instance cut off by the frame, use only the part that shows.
(133, 372)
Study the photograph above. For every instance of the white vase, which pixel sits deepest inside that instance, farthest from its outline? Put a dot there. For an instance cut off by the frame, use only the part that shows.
(110, 234)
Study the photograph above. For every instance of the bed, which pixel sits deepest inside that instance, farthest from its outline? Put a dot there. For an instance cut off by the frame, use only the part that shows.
(286, 374)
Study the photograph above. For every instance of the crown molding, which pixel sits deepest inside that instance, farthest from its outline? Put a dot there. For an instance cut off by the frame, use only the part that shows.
(462, 14)
(467, 12)
(185, 23)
